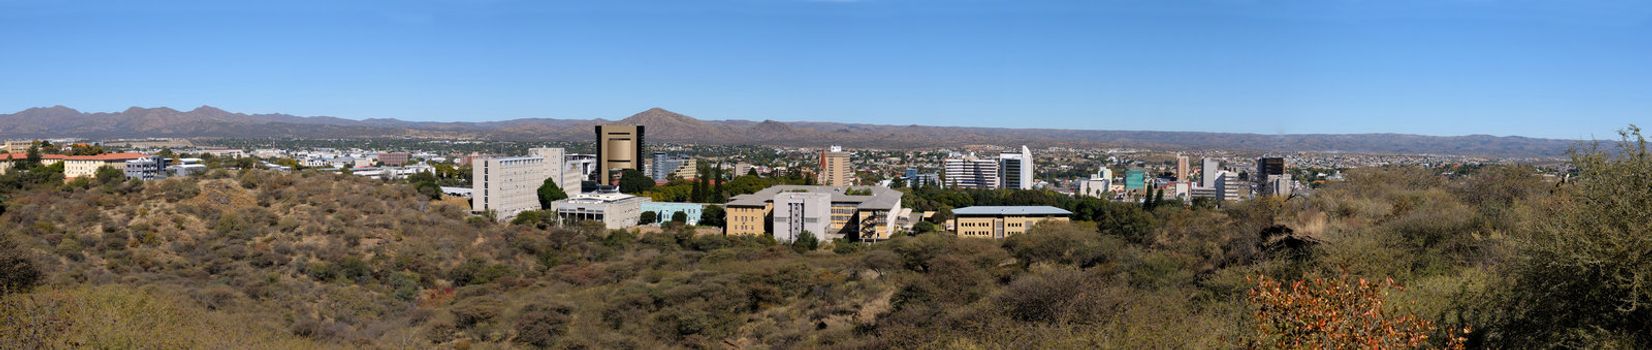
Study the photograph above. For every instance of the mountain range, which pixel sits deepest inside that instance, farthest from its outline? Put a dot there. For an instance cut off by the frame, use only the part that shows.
(666, 126)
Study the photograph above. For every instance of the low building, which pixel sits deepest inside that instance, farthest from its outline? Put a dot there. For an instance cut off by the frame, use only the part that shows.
(147, 168)
(394, 158)
(665, 210)
(87, 166)
(999, 222)
(17, 146)
(613, 210)
(9, 160)
(859, 212)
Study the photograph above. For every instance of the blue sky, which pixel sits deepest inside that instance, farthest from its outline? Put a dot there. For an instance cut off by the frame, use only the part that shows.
(1563, 69)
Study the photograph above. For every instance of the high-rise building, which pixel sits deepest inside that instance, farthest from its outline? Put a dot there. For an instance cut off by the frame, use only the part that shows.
(1209, 170)
(834, 168)
(666, 164)
(1266, 166)
(969, 172)
(1230, 188)
(1181, 169)
(1099, 185)
(1016, 170)
(619, 147)
(1277, 185)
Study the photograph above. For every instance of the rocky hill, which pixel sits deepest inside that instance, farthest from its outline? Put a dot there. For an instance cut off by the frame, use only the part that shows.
(667, 126)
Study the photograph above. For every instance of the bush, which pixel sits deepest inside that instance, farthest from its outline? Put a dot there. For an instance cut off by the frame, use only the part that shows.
(18, 272)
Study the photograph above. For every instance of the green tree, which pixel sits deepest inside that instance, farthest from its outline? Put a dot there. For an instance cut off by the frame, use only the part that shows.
(679, 217)
(109, 175)
(549, 192)
(717, 183)
(1584, 280)
(17, 272)
(633, 181)
(1127, 221)
(714, 216)
(648, 218)
(33, 157)
(805, 242)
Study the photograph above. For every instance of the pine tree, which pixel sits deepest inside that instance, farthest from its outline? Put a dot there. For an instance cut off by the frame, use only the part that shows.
(717, 183)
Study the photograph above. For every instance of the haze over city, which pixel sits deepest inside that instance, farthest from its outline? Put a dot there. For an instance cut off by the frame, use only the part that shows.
(1530, 68)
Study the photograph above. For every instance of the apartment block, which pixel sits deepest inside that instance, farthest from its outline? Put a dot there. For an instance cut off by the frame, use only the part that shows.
(835, 169)
(969, 172)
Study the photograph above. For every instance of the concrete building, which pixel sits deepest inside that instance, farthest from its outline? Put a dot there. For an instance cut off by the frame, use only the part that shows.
(147, 168)
(1016, 170)
(619, 147)
(394, 158)
(864, 212)
(1277, 185)
(1208, 172)
(796, 213)
(969, 172)
(915, 180)
(87, 166)
(999, 222)
(664, 210)
(1099, 185)
(665, 165)
(1267, 166)
(1182, 169)
(1135, 179)
(835, 169)
(510, 185)
(1230, 187)
(18, 146)
(613, 210)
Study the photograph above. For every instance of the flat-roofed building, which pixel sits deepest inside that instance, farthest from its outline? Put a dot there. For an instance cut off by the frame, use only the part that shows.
(87, 166)
(510, 185)
(863, 212)
(18, 146)
(665, 210)
(999, 222)
(619, 147)
(613, 210)
(394, 158)
(969, 172)
(834, 168)
(147, 168)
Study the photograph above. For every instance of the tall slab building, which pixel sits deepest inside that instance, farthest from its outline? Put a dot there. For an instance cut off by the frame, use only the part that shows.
(834, 168)
(1016, 170)
(619, 147)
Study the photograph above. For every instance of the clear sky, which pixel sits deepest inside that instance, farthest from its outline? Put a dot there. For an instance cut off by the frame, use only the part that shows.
(1564, 69)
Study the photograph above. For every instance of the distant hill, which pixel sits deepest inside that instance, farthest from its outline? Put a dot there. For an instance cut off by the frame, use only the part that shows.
(667, 126)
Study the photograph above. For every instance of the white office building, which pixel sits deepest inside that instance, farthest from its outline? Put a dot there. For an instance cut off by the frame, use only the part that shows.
(1099, 185)
(613, 210)
(1016, 170)
(1230, 188)
(1209, 172)
(969, 172)
(510, 185)
(796, 212)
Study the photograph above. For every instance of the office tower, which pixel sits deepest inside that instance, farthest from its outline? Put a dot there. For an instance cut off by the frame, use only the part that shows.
(969, 172)
(1266, 166)
(834, 168)
(1229, 187)
(666, 164)
(1016, 170)
(1181, 169)
(619, 147)
(1209, 170)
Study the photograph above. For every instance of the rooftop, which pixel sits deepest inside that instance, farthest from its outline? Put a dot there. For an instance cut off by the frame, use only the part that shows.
(882, 198)
(108, 157)
(1010, 211)
(22, 156)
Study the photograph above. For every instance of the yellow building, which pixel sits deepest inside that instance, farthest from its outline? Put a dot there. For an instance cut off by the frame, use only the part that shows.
(87, 166)
(10, 160)
(19, 146)
(834, 168)
(1001, 222)
(866, 212)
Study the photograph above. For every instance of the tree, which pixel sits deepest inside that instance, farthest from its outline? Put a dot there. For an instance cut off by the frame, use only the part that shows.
(633, 181)
(1127, 221)
(17, 272)
(429, 189)
(805, 242)
(108, 175)
(648, 218)
(549, 192)
(713, 215)
(717, 183)
(679, 217)
(33, 156)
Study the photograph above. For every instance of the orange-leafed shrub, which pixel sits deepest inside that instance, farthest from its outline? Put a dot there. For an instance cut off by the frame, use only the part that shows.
(1337, 313)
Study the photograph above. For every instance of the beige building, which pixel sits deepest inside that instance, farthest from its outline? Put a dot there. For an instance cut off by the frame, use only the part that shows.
(619, 147)
(10, 160)
(18, 146)
(867, 212)
(87, 166)
(1001, 222)
(510, 185)
(834, 168)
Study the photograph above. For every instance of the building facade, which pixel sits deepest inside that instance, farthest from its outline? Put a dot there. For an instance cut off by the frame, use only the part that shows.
(613, 210)
(665, 210)
(1208, 172)
(619, 147)
(999, 222)
(147, 168)
(796, 213)
(1016, 170)
(834, 168)
(969, 172)
(87, 166)
(10, 160)
(863, 212)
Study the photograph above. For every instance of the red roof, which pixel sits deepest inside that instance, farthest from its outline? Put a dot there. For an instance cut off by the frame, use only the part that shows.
(22, 156)
(109, 157)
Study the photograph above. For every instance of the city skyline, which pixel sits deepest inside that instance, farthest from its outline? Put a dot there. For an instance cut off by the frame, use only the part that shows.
(1501, 68)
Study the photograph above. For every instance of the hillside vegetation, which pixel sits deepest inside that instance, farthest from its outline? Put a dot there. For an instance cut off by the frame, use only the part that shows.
(1392, 257)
